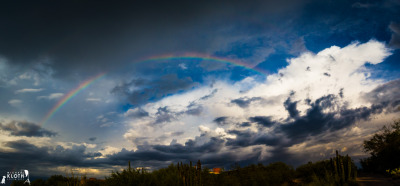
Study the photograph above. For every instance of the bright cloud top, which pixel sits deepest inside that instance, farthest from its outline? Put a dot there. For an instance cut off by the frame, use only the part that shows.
(210, 111)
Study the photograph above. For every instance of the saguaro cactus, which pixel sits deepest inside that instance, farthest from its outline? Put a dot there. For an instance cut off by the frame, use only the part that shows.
(343, 169)
(190, 176)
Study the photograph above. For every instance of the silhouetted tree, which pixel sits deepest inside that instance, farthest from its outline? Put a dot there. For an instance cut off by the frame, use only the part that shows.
(384, 148)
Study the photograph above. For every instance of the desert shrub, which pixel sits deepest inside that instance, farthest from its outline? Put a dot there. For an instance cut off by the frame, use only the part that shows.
(384, 148)
(129, 177)
(56, 180)
(273, 174)
(394, 173)
(339, 170)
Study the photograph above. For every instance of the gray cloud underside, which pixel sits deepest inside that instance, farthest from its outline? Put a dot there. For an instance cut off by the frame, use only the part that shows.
(395, 40)
(140, 91)
(322, 119)
(387, 93)
(100, 35)
(24, 128)
(245, 102)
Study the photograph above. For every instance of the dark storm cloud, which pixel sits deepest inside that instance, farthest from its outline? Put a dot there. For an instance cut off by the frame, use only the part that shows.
(139, 91)
(317, 120)
(245, 124)
(245, 102)
(249, 138)
(24, 128)
(341, 93)
(28, 156)
(265, 121)
(291, 107)
(213, 145)
(221, 120)
(363, 5)
(156, 156)
(92, 139)
(323, 117)
(91, 32)
(191, 150)
(96, 36)
(395, 40)
(386, 94)
(93, 36)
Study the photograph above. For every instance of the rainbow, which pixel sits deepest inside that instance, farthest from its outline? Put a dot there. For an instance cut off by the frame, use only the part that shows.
(202, 57)
(168, 57)
(69, 96)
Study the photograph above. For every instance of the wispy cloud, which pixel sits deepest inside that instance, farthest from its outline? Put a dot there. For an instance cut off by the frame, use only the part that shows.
(15, 102)
(52, 96)
(93, 99)
(28, 90)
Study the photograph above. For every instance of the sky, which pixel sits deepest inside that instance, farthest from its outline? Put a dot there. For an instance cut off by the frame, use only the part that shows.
(87, 86)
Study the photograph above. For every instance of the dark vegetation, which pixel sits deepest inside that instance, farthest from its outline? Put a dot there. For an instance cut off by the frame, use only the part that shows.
(384, 148)
(339, 170)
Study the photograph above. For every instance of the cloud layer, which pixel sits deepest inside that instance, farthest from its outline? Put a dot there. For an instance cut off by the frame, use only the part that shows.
(321, 81)
(24, 128)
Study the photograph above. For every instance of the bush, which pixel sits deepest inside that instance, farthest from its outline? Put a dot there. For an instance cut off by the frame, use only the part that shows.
(384, 148)
(395, 173)
(339, 170)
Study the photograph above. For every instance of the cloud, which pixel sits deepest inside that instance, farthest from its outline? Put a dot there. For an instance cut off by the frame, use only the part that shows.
(242, 121)
(248, 138)
(214, 147)
(304, 75)
(291, 107)
(395, 39)
(52, 157)
(221, 120)
(52, 96)
(298, 46)
(15, 102)
(164, 115)
(93, 99)
(272, 118)
(139, 91)
(325, 115)
(161, 24)
(363, 5)
(245, 102)
(136, 112)
(264, 121)
(24, 128)
(166, 110)
(28, 90)
(194, 110)
(386, 94)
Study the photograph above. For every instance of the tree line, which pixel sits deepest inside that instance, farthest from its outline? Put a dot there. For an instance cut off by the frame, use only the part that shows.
(383, 147)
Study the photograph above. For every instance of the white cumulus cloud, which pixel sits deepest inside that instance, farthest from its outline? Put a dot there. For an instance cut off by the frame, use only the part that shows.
(335, 70)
